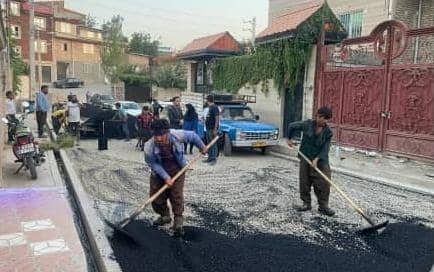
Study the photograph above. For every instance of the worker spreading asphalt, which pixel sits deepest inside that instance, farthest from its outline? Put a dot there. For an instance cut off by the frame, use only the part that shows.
(242, 220)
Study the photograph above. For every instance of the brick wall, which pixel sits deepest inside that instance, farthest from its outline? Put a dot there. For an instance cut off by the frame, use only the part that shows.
(408, 12)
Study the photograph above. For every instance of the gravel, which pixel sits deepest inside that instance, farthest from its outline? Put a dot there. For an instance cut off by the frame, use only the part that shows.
(239, 217)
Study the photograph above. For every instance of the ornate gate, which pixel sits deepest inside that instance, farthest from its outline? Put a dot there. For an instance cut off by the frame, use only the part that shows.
(381, 89)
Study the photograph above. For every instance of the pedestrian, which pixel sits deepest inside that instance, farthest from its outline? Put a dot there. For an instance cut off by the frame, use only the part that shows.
(122, 117)
(156, 108)
(175, 113)
(191, 119)
(315, 144)
(212, 120)
(11, 111)
(164, 153)
(73, 113)
(144, 121)
(42, 108)
(58, 117)
(88, 96)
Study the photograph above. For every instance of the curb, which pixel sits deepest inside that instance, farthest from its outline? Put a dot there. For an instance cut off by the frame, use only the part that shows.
(369, 178)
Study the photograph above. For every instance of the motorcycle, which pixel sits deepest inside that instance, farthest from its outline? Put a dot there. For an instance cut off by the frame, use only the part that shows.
(24, 146)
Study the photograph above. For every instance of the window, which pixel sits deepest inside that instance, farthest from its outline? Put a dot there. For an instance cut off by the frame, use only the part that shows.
(17, 50)
(16, 31)
(88, 48)
(41, 48)
(87, 68)
(65, 47)
(40, 23)
(15, 8)
(65, 27)
(353, 22)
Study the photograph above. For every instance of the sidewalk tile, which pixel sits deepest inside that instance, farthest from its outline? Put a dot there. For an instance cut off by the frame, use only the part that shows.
(13, 239)
(46, 247)
(37, 225)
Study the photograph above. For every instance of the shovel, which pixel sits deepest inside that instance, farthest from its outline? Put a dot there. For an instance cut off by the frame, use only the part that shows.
(373, 226)
(119, 227)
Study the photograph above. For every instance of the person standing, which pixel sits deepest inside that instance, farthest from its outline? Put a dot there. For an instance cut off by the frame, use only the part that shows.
(42, 108)
(73, 113)
(175, 113)
(315, 145)
(58, 117)
(11, 111)
(156, 108)
(144, 121)
(191, 119)
(164, 155)
(212, 120)
(122, 117)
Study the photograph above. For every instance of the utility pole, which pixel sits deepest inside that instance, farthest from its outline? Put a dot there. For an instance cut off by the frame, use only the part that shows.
(39, 46)
(252, 29)
(32, 82)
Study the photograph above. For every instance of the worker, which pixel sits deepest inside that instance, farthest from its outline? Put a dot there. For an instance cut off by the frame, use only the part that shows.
(122, 117)
(58, 117)
(174, 113)
(73, 113)
(315, 145)
(144, 121)
(164, 153)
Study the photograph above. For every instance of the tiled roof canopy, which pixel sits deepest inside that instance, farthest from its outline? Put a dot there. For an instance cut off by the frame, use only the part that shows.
(289, 20)
(215, 45)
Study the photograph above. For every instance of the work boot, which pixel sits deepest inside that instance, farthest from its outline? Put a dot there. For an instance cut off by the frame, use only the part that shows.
(162, 220)
(326, 211)
(178, 229)
(303, 208)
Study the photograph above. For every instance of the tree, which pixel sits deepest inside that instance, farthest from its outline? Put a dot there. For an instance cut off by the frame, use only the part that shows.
(90, 21)
(171, 76)
(18, 66)
(143, 43)
(113, 50)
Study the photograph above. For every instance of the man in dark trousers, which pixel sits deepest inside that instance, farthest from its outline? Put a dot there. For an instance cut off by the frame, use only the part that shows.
(212, 121)
(315, 145)
(174, 113)
(42, 108)
(164, 153)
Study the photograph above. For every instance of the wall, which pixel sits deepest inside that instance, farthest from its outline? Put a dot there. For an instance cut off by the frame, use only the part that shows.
(162, 94)
(137, 60)
(309, 86)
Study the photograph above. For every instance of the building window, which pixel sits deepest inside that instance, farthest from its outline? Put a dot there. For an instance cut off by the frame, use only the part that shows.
(65, 47)
(40, 23)
(87, 68)
(41, 47)
(17, 50)
(88, 48)
(15, 8)
(65, 27)
(16, 31)
(353, 22)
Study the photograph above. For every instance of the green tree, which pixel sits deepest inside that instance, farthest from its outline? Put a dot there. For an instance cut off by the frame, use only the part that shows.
(143, 43)
(90, 21)
(18, 66)
(171, 76)
(112, 53)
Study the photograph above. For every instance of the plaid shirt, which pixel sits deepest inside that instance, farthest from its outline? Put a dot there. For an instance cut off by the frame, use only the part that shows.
(145, 120)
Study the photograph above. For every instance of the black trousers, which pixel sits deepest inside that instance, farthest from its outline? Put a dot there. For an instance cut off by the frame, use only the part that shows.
(308, 178)
(41, 119)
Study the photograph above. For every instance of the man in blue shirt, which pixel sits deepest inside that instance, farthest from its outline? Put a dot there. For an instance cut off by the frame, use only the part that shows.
(122, 117)
(42, 108)
(164, 153)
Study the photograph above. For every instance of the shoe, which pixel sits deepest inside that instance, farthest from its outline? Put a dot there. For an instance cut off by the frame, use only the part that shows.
(326, 211)
(162, 220)
(303, 208)
(178, 229)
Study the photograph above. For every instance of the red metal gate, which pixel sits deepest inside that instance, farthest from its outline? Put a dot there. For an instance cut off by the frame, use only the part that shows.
(381, 89)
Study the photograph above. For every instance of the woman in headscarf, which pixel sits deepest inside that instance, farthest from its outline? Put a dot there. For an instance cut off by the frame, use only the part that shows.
(191, 120)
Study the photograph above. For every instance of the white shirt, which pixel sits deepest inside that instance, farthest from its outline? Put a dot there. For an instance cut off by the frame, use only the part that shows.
(10, 107)
(73, 112)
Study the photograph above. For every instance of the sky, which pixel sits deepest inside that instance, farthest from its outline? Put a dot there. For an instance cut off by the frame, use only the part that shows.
(177, 22)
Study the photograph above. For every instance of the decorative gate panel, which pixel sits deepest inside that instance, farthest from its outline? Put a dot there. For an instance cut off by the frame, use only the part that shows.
(381, 89)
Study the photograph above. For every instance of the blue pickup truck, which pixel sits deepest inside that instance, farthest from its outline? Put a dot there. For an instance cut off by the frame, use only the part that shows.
(242, 129)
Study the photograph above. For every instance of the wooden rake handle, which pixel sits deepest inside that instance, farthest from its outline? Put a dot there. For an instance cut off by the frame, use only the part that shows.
(351, 202)
(140, 209)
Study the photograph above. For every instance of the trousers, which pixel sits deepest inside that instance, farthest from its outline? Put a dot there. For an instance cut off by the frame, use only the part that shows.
(175, 195)
(308, 178)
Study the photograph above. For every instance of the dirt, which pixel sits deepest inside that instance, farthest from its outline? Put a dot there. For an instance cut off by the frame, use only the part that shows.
(239, 218)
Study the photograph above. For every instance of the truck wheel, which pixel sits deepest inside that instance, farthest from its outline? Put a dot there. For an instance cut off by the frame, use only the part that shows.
(227, 146)
(32, 167)
(264, 150)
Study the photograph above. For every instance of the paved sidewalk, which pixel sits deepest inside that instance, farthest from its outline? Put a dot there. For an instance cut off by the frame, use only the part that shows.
(391, 170)
(37, 230)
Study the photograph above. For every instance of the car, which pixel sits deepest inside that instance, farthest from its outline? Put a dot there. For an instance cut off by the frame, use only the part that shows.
(241, 129)
(103, 100)
(70, 82)
(130, 107)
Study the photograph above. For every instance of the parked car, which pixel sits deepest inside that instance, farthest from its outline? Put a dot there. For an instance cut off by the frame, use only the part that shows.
(130, 107)
(102, 100)
(68, 83)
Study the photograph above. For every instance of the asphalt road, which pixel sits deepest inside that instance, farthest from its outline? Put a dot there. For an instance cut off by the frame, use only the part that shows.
(239, 217)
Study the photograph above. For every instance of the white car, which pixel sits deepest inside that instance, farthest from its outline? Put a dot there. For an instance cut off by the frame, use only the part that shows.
(130, 107)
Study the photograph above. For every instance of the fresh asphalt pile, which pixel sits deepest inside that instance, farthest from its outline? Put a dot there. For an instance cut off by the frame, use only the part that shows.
(239, 218)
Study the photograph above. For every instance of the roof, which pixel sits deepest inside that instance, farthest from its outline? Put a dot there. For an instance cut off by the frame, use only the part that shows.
(219, 44)
(289, 20)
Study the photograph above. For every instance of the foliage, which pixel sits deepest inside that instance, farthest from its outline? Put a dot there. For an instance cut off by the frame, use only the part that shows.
(171, 76)
(18, 66)
(90, 21)
(281, 61)
(143, 43)
(112, 53)
(63, 141)
(140, 80)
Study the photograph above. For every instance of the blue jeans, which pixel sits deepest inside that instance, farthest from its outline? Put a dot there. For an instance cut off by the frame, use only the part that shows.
(125, 130)
(213, 150)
